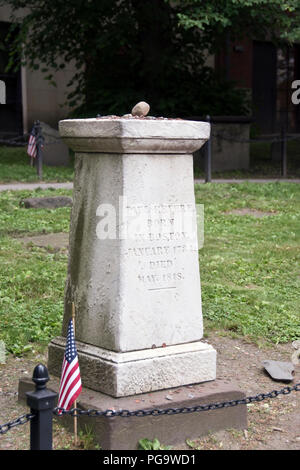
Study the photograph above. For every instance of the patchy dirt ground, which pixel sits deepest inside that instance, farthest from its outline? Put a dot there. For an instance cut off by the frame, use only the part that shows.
(272, 424)
(253, 212)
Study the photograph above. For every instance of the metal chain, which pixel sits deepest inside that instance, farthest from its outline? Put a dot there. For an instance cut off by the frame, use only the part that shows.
(18, 141)
(15, 141)
(16, 422)
(170, 411)
(260, 141)
(4, 428)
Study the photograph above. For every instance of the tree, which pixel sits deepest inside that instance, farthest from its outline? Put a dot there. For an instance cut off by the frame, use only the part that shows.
(277, 20)
(128, 50)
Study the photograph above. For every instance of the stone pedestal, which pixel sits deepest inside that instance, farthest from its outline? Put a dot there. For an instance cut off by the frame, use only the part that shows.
(133, 264)
(120, 433)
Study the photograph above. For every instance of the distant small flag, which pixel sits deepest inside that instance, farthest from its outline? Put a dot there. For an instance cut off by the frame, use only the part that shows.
(70, 382)
(32, 147)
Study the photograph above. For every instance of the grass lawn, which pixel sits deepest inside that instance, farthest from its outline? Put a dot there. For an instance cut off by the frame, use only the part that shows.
(249, 266)
(15, 166)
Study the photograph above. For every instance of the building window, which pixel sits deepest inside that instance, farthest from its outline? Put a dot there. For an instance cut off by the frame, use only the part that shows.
(287, 63)
(2, 92)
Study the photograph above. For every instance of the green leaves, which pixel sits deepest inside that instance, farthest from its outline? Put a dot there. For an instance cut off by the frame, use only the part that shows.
(153, 49)
(147, 444)
(140, 45)
(242, 17)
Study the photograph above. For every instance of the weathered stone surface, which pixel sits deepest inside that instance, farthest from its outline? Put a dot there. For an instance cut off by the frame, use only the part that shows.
(140, 109)
(121, 433)
(131, 373)
(137, 299)
(125, 300)
(55, 151)
(46, 202)
(279, 370)
(115, 136)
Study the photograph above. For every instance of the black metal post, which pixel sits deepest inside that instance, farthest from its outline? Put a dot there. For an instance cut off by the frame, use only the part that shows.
(208, 157)
(39, 144)
(283, 153)
(41, 403)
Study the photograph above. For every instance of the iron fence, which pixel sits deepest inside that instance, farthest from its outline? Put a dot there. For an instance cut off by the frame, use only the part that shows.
(281, 138)
(39, 136)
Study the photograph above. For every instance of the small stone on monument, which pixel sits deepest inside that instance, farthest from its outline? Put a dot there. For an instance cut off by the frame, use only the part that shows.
(140, 109)
(279, 370)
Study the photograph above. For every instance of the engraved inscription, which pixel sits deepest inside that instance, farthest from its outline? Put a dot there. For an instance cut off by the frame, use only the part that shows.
(161, 238)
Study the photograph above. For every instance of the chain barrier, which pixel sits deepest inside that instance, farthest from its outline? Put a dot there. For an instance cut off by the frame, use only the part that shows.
(92, 413)
(4, 428)
(270, 140)
(170, 411)
(17, 141)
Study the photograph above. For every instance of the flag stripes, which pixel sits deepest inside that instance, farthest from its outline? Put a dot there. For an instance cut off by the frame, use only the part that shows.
(32, 146)
(70, 382)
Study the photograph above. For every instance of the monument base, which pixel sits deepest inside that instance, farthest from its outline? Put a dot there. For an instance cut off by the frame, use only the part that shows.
(134, 372)
(120, 433)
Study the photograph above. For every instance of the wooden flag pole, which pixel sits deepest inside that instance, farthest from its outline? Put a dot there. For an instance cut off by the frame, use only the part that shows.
(75, 402)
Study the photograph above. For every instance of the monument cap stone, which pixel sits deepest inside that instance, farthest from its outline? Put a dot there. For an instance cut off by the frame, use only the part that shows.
(106, 135)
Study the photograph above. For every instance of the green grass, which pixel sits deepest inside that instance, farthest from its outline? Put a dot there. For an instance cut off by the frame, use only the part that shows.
(249, 267)
(31, 279)
(15, 166)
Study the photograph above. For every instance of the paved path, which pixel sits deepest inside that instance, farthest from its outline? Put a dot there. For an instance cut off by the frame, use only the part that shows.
(252, 180)
(32, 186)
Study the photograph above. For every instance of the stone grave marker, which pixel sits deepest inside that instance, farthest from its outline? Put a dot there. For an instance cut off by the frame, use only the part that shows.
(134, 278)
(137, 295)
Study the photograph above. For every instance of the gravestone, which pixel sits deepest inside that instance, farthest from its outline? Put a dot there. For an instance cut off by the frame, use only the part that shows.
(55, 152)
(133, 261)
(133, 276)
(53, 202)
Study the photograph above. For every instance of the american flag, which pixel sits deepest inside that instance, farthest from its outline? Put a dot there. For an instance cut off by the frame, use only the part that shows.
(32, 147)
(70, 382)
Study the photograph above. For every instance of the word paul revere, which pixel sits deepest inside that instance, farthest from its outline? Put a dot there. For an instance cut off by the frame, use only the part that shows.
(151, 222)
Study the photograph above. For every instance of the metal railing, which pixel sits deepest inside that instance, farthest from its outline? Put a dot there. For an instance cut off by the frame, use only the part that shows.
(22, 141)
(281, 138)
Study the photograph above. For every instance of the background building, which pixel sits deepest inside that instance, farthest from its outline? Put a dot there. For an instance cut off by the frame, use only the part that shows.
(267, 72)
(26, 95)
